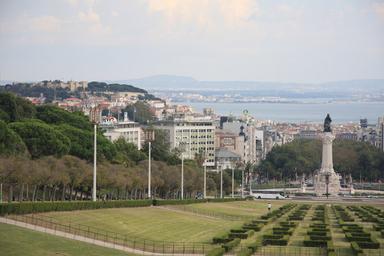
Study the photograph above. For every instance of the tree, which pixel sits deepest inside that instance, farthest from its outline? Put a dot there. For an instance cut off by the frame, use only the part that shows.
(10, 142)
(127, 153)
(57, 116)
(160, 150)
(140, 112)
(304, 157)
(41, 139)
(16, 108)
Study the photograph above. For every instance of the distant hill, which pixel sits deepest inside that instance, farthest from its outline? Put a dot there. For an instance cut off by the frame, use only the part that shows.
(31, 90)
(169, 82)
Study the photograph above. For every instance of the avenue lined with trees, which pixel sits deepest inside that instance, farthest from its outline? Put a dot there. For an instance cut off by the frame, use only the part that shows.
(46, 154)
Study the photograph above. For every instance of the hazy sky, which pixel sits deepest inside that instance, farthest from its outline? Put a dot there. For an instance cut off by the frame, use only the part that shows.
(302, 41)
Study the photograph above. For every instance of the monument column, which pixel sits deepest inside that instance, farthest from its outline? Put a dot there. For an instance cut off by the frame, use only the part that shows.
(327, 158)
(327, 181)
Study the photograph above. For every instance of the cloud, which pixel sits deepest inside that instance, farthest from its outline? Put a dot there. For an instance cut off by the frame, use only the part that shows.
(90, 16)
(46, 23)
(379, 9)
(204, 12)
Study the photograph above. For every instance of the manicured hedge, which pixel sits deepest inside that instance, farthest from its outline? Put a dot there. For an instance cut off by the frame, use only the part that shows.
(315, 243)
(35, 207)
(238, 235)
(283, 241)
(193, 201)
(250, 226)
(230, 245)
(221, 239)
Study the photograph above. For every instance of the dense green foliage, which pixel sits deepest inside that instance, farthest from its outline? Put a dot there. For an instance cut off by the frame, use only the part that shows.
(104, 87)
(27, 90)
(15, 108)
(10, 141)
(55, 115)
(41, 139)
(304, 157)
(140, 112)
(82, 143)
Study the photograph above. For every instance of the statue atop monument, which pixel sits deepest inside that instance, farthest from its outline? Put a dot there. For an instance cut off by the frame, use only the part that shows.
(327, 124)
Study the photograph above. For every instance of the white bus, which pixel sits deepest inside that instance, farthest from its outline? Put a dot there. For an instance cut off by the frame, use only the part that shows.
(267, 195)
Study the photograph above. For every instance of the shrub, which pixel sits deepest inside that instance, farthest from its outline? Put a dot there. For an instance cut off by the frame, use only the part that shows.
(255, 227)
(356, 248)
(314, 243)
(36, 207)
(320, 238)
(250, 233)
(283, 241)
(192, 201)
(230, 245)
(253, 247)
(216, 252)
(368, 245)
(273, 237)
(238, 235)
(221, 239)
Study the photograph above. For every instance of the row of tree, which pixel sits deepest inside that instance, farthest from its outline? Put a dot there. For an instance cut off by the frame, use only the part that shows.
(46, 154)
(361, 160)
(70, 178)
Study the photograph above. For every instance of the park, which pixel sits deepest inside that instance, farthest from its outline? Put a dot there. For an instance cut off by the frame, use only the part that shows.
(196, 227)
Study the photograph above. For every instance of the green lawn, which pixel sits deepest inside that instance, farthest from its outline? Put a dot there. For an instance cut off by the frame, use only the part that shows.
(149, 223)
(247, 209)
(20, 241)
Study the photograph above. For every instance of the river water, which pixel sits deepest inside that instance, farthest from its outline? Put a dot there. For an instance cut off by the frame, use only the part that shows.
(299, 112)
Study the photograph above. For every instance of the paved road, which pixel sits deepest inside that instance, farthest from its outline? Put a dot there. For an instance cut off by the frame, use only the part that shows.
(84, 239)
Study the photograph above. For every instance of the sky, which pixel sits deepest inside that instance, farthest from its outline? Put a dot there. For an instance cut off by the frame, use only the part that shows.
(264, 40)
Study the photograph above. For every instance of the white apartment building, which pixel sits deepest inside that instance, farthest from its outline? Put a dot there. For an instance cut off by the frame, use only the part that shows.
(192, 135)
(253, 140)
(128, 130)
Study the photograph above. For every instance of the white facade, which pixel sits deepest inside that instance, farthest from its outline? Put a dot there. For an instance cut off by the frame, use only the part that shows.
(128, 130)
(193, 135)
(253, 143)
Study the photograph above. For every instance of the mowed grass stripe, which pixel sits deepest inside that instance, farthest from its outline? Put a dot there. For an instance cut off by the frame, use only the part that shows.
(15, 241)
(150, 223)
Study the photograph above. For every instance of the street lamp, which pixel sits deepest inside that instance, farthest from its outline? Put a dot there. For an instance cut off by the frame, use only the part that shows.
(149, 136)
(242, 183)
(205, 178)
(94, 163)
(233, 182)
(182, 148)
(95, 118)
(221, 181)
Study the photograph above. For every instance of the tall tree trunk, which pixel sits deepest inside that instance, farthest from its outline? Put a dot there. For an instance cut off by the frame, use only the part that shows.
(71, 193)
(44, 190)
(34, 193)
(21, 192)
(27, 194)
(63, 193)
(10, 195)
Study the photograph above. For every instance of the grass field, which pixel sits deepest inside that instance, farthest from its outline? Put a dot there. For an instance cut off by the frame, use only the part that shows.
(253, 208)
(196, 223)
(20, 241)
(149, 223)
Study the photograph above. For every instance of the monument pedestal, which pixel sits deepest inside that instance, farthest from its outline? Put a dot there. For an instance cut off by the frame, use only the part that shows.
(326, 179)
